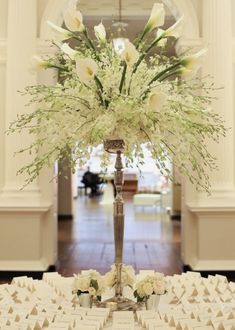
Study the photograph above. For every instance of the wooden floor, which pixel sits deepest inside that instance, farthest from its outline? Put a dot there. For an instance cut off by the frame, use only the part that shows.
(152, 240)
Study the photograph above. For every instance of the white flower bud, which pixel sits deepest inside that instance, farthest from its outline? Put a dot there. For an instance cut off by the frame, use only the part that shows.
(100, 32)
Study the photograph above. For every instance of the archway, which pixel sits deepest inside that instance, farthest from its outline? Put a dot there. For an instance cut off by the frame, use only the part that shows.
(177, 8)
(54, 9)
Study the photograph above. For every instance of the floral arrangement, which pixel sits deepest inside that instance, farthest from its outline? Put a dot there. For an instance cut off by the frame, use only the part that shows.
(127, 276)
(107, 92)
(151, 284)
(91, 282)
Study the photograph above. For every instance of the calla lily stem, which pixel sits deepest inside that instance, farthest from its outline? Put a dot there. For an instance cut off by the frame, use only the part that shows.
(160, 74)
(123, 77)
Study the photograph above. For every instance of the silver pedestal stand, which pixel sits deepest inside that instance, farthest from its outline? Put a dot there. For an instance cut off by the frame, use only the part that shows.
(118, 302)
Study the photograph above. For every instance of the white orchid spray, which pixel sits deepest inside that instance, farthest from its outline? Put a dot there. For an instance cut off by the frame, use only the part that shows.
(129, 94)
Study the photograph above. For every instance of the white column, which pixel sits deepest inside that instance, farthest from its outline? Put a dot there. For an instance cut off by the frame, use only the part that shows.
(3, 35)
(28, 226)
(217, 34)
(208, 221)
(21, 45)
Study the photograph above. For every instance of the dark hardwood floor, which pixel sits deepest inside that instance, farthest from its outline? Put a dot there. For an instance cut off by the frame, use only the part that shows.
(152, 240)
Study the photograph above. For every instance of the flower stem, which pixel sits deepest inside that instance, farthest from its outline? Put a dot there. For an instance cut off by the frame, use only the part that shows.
(59, 67)
(100, 89)
(160, 74)
(89, 40)
(140, 39)
(123, 77)
(100, 92)
(76, 37)
(142, 56)
(145, 52)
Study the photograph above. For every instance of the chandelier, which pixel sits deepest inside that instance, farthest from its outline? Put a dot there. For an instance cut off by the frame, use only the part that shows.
(119, 25)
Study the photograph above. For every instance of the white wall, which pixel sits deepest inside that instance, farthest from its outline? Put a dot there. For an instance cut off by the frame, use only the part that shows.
(3, 35)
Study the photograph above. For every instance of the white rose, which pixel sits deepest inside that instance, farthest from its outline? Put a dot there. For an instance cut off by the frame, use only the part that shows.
(159, 287)
(81, 283)
(110, 279)
(101, 285)
(140, 290)
(147, 288)
(159, 275)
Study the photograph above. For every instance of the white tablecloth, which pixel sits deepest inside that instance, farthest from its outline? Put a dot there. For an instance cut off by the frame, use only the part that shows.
(192, 302)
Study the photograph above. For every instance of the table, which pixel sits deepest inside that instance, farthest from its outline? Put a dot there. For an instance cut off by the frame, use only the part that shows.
(192, 302)
(147, 200)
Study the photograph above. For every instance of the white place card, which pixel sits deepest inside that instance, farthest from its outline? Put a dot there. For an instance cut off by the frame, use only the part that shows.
(123, 322)
(204, 327)
(145, 314)
(153, 322)
(91, 324)
(97, 312)
(164, 327)
(58, 326)
(122, 327)
(123, 315)
(98, 319)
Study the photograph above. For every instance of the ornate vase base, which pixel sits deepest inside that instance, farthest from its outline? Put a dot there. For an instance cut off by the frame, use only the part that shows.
(119, 304)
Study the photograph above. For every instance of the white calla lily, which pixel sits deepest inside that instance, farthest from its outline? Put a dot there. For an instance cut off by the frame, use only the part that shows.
(185, 73)
(72, 5)
(193, 62)
(176, 29)
(59, 33)
(156, 99)
(69, 51)
(74, 20)
(86, 69)
(130, 54)
(100, 32)
(160, 34)
(157, 17)
(38, 63)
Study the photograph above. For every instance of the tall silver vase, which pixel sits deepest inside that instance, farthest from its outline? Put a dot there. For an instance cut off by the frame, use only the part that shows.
(116, 146)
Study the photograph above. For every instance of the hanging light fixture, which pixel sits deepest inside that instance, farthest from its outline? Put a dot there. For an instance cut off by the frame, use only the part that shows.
(119, 25)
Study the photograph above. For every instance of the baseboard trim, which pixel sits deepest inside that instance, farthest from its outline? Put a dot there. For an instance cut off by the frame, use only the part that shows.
(5, 274)
(205, 273)
(64, 217)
